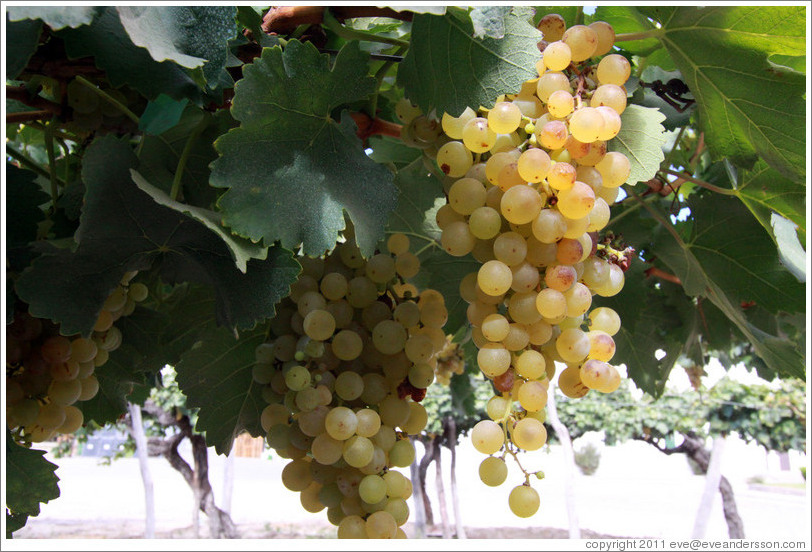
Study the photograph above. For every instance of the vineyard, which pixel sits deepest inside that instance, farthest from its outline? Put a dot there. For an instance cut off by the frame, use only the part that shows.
(351, 227)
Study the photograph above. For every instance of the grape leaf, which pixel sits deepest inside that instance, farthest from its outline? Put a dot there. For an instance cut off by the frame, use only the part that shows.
(160, 156)
(447, 69)
(216, 376)
(763, 190)
(747, 106)
(290, 168)
(125, 63)
(191, 36)
(641, 139)
(790, 251)
(29, 479)
(56, 17)
(489, 21)
(161, 114)
(729, 259)
(390, 150)
(22, 40)
(122, 229)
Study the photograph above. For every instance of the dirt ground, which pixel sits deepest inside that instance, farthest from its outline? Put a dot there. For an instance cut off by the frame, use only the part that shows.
(131, 529)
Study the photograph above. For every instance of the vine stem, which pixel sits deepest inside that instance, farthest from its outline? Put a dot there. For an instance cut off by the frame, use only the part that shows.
(109, 99)
(702, 183)
(184, 157)
(628, 37)
(28, 116)
(25, 160)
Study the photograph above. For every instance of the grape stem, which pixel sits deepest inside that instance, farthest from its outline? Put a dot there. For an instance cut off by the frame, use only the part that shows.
(663, 275)
(109, 99)
(27, 116)
(367, 126)
(702, 183)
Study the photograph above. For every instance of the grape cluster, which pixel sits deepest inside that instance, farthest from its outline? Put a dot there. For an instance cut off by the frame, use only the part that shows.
(450, 362)
(529, 183)
(48, 373)
(351, 353)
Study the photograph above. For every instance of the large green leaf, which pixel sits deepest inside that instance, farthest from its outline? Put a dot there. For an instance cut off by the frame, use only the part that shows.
(23, 205)
(641, 139)
(216, 375)
(22, 39)
(291, 169)
(191, 36)
(764, 190)
(56, 17)
(29, 479)
(122, 228)
(447, 69)
(125, 63)
(747, 106)
(625, 20)
(729, 259)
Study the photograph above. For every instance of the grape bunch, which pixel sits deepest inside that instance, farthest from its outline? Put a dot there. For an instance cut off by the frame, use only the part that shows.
(529, 184)
(350, 354)
(450, 362)
(47, 374)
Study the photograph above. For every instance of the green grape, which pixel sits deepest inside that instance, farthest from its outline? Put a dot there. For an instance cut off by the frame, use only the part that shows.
(551, 81)
(586, 124)
(309, 498)
(524, 501)
(597, 375)
(493, 471)
(614, 169)
(517, 338)
(358, 451)
(498, 161)
(56, 349)
(569, 252)
(454, 159)
(347, 345)
(522, 307)
(582, 40)
(296, 475)
(485, 223)
(352, 527)
(401, 455)
(497, 408)
(477, 136)
(407, 265)
(609, 95)
(65, 371)
(606, 37)
(393, 411)
(407, 314)
(495, 327)
(385, 438)
(349, 385)
(560, 103)
(50, 416)
(614, 69)
(24, 413)
(307, 399)
(604, 319)
(81, 99)
(399, 510)
(297, 378)
(466, 195)
(510, 248)
(504, 117)
(397, 243)
(446, 215)
(389, 337)
(525, 277)
(552, 135)
(262, 373)
(453, 126)
(381, 525)
(73, 420)
(65, 392)
(487, 436)
(361, 292)
(419, 348)
(369, 422)
(90, 387)
(562, 176)
(599, 215)
(577, 202)
(380, 268)
(534, 165)
(520, 204)
(83, 349)
(540, 332)
(551, 304)
(493, 359)
(509, 177)
(611, 122)
(138, 292)
(557, 56)
(572, 345)
(494, 277)
(116, 299)
(533, 396)
(457, 239)
(397, 484)
(560, 277)
(341, 422)
(325, 449)
(530, 365)
(375, 388)
(417, 420)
